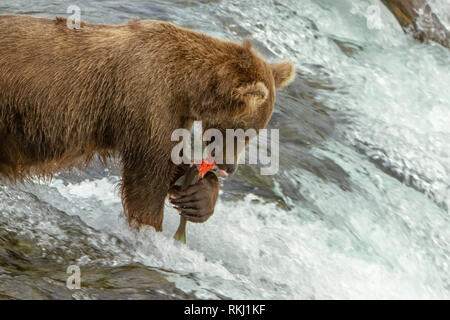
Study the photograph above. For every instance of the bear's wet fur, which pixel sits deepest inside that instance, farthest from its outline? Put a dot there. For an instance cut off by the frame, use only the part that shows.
(69, 94)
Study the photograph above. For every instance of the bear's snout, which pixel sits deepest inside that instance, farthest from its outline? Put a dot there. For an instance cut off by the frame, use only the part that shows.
(228, 168)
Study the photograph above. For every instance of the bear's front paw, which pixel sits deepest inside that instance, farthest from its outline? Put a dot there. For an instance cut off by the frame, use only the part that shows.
(197, 202)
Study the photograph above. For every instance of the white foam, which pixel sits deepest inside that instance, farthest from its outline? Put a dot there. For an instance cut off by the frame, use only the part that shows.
(252, 249)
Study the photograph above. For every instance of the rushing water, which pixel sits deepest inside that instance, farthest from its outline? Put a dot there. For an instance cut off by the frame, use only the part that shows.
(359, 209)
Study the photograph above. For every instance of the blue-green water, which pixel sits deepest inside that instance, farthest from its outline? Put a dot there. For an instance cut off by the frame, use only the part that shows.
(359, 209)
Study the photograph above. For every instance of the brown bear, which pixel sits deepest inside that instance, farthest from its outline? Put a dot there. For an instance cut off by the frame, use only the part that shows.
(69, 94)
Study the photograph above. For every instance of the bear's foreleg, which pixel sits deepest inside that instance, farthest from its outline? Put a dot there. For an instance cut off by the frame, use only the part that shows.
(145, 184)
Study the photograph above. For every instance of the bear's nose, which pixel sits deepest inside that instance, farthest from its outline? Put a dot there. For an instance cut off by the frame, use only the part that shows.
(228, 169)
(231, 168)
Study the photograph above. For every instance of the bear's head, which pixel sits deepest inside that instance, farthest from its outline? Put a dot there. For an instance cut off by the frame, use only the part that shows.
(241, 95)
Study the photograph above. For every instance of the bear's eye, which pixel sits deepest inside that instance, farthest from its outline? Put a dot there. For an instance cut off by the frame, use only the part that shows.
(252, 95)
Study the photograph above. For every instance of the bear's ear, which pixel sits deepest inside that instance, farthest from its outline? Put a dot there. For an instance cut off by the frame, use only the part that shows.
(253, 95)
(283, 73)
